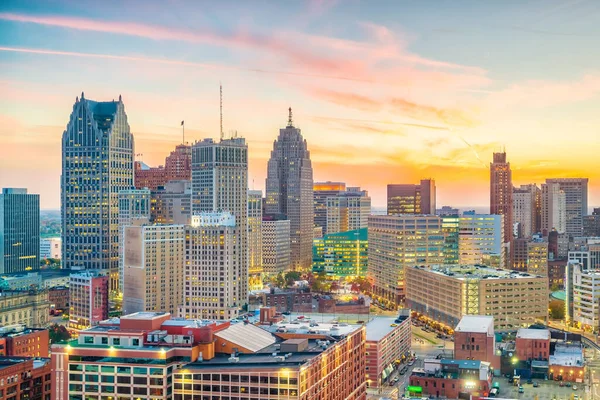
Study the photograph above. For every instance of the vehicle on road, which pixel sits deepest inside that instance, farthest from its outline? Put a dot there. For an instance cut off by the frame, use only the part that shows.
(568, 384)
(535, 384)
(574, 387)
(561, 384)
(494, 392)
(521, 390)
(411, 362)
(575, 397)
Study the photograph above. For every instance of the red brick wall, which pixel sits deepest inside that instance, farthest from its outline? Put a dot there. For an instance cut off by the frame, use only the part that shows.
(533, 349)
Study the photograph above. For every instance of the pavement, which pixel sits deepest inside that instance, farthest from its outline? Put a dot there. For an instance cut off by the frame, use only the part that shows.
(546, 391)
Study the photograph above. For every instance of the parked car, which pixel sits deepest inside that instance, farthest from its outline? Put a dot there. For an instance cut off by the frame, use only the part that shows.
(535, 384)
(574, 387)
(568, 384)
(561, 384)
(411, 362)
(521, 390)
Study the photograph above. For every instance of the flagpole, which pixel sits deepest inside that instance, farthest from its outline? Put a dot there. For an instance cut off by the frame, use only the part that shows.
(183, 130)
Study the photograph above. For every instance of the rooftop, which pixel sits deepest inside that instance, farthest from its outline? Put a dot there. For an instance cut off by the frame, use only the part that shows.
(476, 324)
(542, 334)
(145, 315)
(380, 327)
(477, 272)
(247, 336)
(308, 327)
(462, 364)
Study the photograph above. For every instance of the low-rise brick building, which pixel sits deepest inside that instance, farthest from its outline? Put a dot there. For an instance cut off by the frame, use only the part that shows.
(20, 341)
(289, 301)
(25, 378)
(533, 344)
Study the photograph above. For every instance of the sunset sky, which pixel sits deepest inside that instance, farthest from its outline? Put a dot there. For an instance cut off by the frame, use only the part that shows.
(384, 91)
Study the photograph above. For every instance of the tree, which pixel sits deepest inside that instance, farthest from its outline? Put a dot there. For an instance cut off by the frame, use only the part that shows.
(58, 333)
(279, 280)
(554, 287)
(291, 277)
(557, 309)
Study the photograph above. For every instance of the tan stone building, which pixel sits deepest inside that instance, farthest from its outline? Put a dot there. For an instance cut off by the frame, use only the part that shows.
(447, 293)
(27, 307)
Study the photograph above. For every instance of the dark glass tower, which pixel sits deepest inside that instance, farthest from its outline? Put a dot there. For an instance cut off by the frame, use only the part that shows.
(19, 231)
(97, 163)
(290, 191)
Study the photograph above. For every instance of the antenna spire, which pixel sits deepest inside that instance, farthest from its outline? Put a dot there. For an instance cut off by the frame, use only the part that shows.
(290, 123)
(221, 108)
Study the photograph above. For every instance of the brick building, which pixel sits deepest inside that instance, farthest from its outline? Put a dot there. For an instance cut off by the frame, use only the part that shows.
(25, 378)
(58, 297)
(289, 301)
(20, 341)
(533, 344)
(335, 306)
(474, 339)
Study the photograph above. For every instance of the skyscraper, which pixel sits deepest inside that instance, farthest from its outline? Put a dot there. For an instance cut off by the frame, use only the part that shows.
(255, 269)
(501, 196)
(411, 199)
(480, 240)
(97, 163)
(275, 244)
(526, 209)
(321, 191)
(290, 191)
(576, 198)
(220, 184)
(19, 231)
(554, 209)
(172, 203)
(348, 211)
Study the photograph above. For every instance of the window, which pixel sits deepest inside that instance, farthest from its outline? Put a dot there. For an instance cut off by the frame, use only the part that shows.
(140, 371)
(107, 368)
(104, 340)
(88, 339)
(135, 342)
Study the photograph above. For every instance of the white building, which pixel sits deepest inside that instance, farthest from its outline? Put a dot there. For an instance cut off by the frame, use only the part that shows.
(215, 274)
(50, 248)
(524, 209)
(348, 211)
(276, 244)
(153, 268)
(554, 208)
(582, 303)
(480, 239)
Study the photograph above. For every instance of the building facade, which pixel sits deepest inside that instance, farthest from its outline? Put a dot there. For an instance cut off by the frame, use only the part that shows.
(347, 212)
(451, 231)
(25, 307)
(289, 191)
(501, 193)
(25, 378)
(554, 209)
(526, 210)
(178, 166)
(397, 242)
(50, 248)
(576, 201)
(134, 209)
(537, 257)
(481, 238)
(153, 266)
(21, 341)
(447, 293)
(388, 340)
(172, 203)
(276, 250)
(584, 289)
(322, 191)
(220, 184)
(474, 339)
(214, 276)
(412, 199)
(88, 299)
(342, 255)
(533, 344)
(97, 163)
(19, 231)
(255, 240)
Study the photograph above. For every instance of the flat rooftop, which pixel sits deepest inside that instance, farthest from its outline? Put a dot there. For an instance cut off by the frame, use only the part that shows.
(476, 324)
(145, 315)
(479, 272)
(380, 327)
(541, 334)
(309, 327)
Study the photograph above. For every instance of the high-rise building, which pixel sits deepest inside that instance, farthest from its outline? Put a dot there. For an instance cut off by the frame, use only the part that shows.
(480, 239)
(172, 203)
(153, 268)
(501, 192)
(134, 209)
(554, 209)
(321, 191)
(591, 224)
(290, 191)
(19, 231)
(216, 274)
(275, 244)
(178, 166)
(50, 248)
(397, 242)
(255, 269)
(447, 211)
(520, 254)
(88, 298)
(576, 200)
(97, 163)
(526, 200)
(451, 230)
(348, 211)
(220, 184)
(583, 297)
(537, 257)
(447, 293)
(412, 199)
(342, 254)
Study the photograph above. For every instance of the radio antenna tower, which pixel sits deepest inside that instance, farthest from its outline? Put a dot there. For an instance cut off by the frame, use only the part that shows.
(221, 108)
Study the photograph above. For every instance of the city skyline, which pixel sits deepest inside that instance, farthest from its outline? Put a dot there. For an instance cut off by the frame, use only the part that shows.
(381, 95)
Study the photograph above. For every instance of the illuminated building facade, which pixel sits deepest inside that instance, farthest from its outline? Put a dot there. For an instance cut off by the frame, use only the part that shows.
(321, 192)
(275, 244)
(172, 203)
(480, 239)
(348, 211)
(88, 299)
(289, 191)
(255, 256)
(576, 202)
(501, 193)
(342, 255)
(412, 199)
(27, 307)
(97, 163)
(19, 231)
(397, 242)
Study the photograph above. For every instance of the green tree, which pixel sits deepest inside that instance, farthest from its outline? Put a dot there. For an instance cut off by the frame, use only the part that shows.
(279, 280)
(58, 333)
(291, 277)
(554, 287)
(557, 309)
